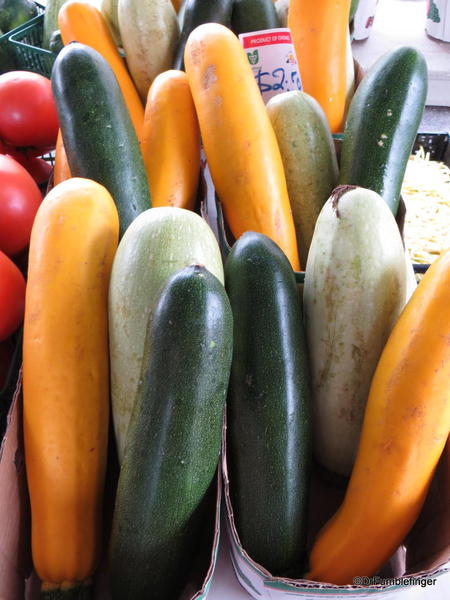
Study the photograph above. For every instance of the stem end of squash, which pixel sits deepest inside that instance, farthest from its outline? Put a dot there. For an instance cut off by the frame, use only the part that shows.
(78, 590)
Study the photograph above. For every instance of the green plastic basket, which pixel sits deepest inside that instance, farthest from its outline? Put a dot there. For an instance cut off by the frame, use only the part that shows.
(25, 43)
(8, 56)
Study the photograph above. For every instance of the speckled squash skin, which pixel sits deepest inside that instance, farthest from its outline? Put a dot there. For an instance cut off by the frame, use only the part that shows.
(149, 31)
(382, 124)
(99, 138)
(158, 243)
(355, 289)
(309, 159)
(174, 439)
(269, 423)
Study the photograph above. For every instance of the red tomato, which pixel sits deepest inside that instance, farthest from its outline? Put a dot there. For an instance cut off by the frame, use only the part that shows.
(38, 168)
(6, 354)
(19, 200)
(12, 297)
(28, 114)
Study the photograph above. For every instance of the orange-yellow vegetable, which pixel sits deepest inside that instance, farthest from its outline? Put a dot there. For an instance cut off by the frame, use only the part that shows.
(82, 22)
(238, 138)
(320, 31)
(61, 169)
(66, 377)
(170, 141)
(406, 425)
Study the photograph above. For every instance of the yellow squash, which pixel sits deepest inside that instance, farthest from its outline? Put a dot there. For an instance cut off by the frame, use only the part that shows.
(406, 426)
(170, 143)
(66, 378)
(238, 138)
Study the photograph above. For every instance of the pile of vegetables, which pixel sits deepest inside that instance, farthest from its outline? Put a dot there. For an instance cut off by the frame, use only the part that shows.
(28, 129)
(130, 308)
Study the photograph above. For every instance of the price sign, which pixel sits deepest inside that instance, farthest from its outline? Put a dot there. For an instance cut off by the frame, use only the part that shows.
(272, 57)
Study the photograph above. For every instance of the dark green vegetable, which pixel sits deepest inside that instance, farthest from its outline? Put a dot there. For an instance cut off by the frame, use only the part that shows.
(99, 137)
(15, 12)
(195, 13)
(254, 15)
(269, 420)
(174, 439)
(56, 44)
(382, 124)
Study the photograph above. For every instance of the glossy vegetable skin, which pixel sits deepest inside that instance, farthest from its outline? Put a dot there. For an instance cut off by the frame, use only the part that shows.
(12, 297)
(174, 439)
(319, 31)
(246, 167)
(98, 135)
(20, 198)
(253, 15)
(406, 426)
(82, 22)
(61, 169)
(382, 124)
(171, 141)
(268, 406)
(309, 159)
(28, 114)
(66, 379)
(197, 12)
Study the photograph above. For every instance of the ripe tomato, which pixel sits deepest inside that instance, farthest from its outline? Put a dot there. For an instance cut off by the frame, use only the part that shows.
(38, 168)
(19, 200)
(12, 297)
(28, 115)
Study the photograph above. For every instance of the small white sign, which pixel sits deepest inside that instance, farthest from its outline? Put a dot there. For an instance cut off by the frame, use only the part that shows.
(272, 58)
(438, 19)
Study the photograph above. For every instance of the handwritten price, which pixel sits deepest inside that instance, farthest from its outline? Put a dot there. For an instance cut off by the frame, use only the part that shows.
(277, 80)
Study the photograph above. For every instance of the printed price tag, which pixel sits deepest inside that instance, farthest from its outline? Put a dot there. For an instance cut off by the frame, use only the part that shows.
(271, 55)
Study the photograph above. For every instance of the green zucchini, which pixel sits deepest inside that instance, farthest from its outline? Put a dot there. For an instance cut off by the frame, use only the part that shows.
(309, 159)
(254, 15)
(382, 123)
(158, 243)
(16, 12)
(56, 44)
(195, 13)
(99, 138)
(174, 439)
(268, 420)
(354, 290)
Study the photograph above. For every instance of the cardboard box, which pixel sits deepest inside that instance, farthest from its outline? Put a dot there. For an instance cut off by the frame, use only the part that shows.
(17, 578)
(424, 554)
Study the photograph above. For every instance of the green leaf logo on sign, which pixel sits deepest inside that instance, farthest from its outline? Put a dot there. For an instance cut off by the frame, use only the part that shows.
(253, 57)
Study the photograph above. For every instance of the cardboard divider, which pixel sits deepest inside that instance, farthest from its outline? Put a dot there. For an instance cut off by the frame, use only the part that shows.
(15, 547)
(425, 553)
(18, 581)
